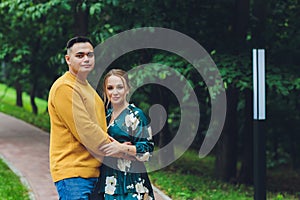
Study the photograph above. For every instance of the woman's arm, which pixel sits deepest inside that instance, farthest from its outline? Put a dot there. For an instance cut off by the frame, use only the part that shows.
(141, 135)
(141, 144)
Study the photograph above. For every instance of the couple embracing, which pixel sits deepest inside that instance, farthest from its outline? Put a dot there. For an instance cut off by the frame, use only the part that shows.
(97, 149)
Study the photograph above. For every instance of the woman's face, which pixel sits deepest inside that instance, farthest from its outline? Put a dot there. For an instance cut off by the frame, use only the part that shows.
(116, 90)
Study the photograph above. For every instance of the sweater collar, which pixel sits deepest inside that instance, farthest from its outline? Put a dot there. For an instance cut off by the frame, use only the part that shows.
(75, 79)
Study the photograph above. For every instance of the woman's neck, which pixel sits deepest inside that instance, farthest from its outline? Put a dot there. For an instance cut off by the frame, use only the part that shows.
(117, 108)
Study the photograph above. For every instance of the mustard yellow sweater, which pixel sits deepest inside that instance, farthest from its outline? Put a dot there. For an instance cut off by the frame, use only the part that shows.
(78, 128)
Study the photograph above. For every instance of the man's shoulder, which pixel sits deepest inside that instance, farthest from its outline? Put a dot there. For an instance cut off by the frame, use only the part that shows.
(61, 81)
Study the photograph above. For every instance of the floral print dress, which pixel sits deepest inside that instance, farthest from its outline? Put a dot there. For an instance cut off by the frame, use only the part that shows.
(127, 179)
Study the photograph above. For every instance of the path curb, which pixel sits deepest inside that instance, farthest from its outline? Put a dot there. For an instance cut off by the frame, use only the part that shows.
(20, 175)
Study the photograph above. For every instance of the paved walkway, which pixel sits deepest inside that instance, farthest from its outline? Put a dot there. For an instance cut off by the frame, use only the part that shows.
(25, 149)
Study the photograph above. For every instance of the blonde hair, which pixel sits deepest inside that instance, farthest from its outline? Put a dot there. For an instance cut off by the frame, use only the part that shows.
(114, 72)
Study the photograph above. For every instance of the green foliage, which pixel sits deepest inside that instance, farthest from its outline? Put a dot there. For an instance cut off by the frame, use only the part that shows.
(51, 22)
(11, 186)
(236, 70)
(34, 35)
(279, 197)
(27, 18)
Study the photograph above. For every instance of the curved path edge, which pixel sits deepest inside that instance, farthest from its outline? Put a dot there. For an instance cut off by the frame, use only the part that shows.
(20, 175)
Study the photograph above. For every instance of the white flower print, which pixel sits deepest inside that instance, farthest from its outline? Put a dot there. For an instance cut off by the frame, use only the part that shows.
(139, 187)
(150, 133)
(123, 163)
(110, 187)
(146, 190)
(141, 197)
(131, 121)
(131, 186)
(143, 157)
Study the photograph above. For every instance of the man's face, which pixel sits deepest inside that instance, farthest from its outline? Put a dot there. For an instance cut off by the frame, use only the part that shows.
(80, 58)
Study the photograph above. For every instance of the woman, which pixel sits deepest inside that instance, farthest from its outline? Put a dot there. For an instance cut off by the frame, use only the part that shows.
(125, 177)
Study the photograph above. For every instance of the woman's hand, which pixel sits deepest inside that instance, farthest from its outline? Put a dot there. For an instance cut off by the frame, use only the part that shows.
(116, 149)
(112, 148)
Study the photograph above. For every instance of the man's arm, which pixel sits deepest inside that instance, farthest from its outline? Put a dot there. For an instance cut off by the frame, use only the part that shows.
(70, 108)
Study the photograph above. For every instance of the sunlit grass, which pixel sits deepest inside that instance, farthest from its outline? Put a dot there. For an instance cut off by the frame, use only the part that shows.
(11, 186)
(8, 105)
(8, 96)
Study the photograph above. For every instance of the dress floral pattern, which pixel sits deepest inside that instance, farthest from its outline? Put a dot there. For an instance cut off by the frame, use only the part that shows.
(122, 178)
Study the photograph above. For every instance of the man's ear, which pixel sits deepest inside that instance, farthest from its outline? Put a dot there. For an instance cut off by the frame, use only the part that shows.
(67, 58)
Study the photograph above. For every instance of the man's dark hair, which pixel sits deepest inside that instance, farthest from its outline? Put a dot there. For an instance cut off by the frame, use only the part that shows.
(78, 39)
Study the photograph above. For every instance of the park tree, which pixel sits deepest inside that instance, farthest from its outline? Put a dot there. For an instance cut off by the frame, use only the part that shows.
(14, 52)
(35, 30)
(266, 30)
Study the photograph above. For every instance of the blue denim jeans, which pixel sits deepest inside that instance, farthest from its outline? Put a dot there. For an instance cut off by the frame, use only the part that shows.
(75, 188)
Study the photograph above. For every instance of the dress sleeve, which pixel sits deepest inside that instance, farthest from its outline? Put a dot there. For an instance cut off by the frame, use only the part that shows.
(141, 134)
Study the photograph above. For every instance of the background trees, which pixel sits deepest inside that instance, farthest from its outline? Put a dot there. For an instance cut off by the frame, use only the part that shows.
(33, 34)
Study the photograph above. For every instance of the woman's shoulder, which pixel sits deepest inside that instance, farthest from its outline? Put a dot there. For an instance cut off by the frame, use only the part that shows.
(137, 112)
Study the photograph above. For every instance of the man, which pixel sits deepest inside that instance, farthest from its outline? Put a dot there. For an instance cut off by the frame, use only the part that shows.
(78, 125)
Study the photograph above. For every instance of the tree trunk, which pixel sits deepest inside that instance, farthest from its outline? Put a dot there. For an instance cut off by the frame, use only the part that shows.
(259, 14)
(165, 136)
(80, 19)
(165, 139)
(246, 173)
(241, 20)
(295, 140)
(19, 100)
(32, 100)
(226, 149)
(294, 149)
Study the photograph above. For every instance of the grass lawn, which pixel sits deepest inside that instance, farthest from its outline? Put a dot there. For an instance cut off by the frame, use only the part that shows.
(11, 186)
(192, 178)
(188, 178)
(8, 105)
